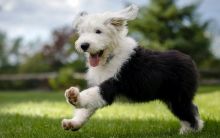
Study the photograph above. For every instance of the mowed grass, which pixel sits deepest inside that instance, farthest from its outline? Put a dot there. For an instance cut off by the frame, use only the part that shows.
(38, 115)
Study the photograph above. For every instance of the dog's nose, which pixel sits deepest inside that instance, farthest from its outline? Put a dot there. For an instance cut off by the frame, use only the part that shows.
(84, 46)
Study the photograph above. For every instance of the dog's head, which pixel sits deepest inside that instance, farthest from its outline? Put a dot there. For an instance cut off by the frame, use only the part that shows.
(99, 33)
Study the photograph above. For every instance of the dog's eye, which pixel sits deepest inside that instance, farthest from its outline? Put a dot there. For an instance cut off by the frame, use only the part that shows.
(98, 31)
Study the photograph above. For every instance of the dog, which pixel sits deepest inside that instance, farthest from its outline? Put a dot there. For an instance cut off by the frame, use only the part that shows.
(118, 66)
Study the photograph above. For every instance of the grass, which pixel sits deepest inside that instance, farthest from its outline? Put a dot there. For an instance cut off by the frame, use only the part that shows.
(38, 114)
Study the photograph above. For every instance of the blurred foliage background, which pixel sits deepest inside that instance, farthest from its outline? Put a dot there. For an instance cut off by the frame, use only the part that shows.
(161, 25)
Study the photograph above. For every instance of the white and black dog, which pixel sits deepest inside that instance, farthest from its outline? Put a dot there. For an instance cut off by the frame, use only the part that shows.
(118, 66)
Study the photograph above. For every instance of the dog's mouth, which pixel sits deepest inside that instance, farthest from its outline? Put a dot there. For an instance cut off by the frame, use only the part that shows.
(94, 58)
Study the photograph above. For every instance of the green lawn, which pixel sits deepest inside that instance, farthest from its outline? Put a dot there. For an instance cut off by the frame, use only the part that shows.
(38, 114)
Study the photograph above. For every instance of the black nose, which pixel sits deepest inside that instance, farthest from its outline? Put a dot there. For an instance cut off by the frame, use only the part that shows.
(84, 46)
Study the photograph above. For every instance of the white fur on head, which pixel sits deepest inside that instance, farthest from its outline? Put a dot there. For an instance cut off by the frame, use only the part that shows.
(111, 26)
(116, 18)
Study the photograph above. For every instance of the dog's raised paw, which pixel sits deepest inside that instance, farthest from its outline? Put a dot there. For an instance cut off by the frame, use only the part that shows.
(72, 95)
(69, 124)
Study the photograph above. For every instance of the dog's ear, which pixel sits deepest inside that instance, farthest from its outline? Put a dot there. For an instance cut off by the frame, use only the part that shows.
(78, 19)
(129, 13)
(116, 21)
(120, 18)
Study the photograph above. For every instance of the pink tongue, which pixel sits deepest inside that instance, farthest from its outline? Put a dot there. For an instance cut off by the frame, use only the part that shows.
(94, 60)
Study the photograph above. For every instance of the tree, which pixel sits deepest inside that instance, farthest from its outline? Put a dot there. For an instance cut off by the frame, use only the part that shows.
(163, 25)
(9, 54)
(55, 55)
(3, 55)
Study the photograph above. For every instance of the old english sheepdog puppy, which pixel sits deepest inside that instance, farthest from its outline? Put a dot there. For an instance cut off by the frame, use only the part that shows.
(118, 66)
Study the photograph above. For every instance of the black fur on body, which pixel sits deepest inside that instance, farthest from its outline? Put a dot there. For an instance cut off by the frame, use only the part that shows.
(168, 76)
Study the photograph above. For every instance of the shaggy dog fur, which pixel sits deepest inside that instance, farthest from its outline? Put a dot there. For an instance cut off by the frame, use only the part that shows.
(117, 66)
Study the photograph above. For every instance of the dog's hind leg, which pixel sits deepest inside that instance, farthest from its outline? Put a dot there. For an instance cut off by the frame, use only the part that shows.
(188, 115)
(194, 125)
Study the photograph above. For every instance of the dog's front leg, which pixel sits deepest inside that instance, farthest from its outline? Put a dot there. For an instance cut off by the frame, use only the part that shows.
(90, 98)
(81, 116)
(86, 103)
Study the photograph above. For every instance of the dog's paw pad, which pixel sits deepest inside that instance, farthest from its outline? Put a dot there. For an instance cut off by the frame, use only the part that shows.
(72, 95)
(69, 124)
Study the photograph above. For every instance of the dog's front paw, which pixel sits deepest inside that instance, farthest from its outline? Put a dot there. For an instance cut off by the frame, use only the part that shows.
(69, 124)
(72, 95)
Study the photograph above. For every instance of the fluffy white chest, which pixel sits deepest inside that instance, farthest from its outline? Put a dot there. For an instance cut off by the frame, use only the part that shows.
(95, 76)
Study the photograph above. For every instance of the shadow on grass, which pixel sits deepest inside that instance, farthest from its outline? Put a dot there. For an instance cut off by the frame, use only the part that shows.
(15, 125)
(16, 97)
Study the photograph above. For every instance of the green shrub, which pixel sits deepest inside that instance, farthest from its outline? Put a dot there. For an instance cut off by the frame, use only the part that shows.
(35, 64)
(65, 79)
